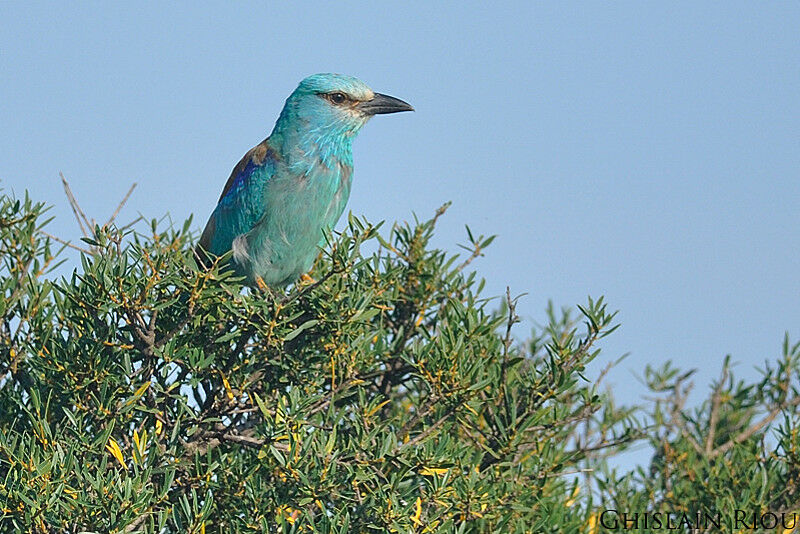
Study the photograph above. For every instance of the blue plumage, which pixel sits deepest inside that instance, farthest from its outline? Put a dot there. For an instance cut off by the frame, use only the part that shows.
(287, 190)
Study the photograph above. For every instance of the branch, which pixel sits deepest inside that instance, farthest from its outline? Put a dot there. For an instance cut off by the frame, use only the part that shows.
(121, 205)
(712, 425)
(65, 243)
(425, 433)
(80, 216)
(743, 435)
(132, 527)
(513, 319)
(676, 421)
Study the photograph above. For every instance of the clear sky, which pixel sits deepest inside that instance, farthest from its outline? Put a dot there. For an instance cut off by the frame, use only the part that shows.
(645, 151)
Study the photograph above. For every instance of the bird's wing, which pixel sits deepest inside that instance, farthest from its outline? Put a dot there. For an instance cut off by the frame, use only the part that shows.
(240, 205)
(255, 157)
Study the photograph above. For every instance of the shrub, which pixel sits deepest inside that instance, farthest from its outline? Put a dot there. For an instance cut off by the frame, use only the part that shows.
(143, 394)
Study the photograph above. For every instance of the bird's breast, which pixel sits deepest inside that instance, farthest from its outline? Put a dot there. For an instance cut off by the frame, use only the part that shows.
(306, 202)
(324, 190)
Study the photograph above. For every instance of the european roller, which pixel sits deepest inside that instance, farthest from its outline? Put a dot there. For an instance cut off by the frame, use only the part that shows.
(293, 186)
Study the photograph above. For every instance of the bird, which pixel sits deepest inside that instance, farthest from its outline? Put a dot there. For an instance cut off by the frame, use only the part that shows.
(288, 190)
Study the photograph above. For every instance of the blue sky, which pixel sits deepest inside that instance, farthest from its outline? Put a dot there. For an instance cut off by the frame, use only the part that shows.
(645, 151)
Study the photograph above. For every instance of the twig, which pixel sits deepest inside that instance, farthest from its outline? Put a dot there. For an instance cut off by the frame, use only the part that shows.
(331, 396)
(607, 444)
(743, 435)
(121, 204)
(582, 414)
(475, 253)
(132, 527)
(414, 421)
(513, 319)
(440, 211)
(20, 283)
(294, 295)
(215, 439)
(715, 403)
(586, 470)
(65, 243)
(136, 220)
(676, 421)
(80, 216)
(425, 433)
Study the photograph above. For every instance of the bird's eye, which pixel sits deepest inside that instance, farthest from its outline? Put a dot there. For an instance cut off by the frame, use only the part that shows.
(337, 98)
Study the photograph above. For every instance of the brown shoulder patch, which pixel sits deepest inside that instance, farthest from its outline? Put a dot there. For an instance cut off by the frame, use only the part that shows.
(257, 155)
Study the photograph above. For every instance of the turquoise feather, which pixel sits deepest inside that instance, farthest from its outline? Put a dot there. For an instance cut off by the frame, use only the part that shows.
(293, 186)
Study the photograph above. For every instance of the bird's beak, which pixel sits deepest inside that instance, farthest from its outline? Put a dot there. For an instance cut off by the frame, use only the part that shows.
(381, 104)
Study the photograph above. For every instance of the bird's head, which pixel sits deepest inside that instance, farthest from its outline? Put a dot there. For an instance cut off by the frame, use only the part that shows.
(335, 105)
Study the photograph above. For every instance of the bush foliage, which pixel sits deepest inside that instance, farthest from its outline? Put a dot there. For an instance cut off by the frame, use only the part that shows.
(143, 394)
